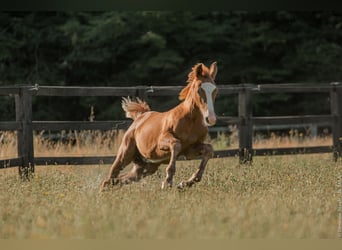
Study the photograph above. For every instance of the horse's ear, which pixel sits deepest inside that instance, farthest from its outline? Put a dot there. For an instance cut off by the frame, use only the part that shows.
(213, 70)
(198, 69)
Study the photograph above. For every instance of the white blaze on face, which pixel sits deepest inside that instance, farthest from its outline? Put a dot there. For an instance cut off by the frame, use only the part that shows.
(209, 116)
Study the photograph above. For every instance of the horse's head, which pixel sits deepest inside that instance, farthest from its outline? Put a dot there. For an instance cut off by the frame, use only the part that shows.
(201, 91)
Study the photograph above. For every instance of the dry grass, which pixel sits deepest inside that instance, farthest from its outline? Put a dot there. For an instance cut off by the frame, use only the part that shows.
(277, 197)
(293, 138)
(90, 143)
(74, 143)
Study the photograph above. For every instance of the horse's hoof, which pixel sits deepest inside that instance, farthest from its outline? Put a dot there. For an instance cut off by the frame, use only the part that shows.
(103, 189)
(185, 184)
(104, 186)
(108, 185)
(166, 185)
(182, 185)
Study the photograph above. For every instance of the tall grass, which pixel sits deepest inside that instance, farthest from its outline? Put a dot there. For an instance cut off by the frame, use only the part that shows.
(66, 143)
(87, 143)
(291, 196)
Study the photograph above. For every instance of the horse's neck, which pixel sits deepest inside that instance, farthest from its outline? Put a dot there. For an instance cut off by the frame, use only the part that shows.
(190, 109)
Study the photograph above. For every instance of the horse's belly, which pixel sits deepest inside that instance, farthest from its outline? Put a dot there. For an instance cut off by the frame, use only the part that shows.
(149, 127)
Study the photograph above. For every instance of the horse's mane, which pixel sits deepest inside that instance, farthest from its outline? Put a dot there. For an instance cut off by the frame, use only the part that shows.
(192, 74)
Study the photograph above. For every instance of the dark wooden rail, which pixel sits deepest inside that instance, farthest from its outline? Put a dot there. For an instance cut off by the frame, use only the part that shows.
(24, 125)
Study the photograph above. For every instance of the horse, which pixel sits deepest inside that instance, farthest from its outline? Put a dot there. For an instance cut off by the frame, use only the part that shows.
(156, 138)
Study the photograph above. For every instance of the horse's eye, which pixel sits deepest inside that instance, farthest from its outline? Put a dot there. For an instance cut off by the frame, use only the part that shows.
(202, 95)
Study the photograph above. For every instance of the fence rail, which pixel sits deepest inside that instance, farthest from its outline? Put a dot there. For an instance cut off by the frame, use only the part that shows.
(25, 126)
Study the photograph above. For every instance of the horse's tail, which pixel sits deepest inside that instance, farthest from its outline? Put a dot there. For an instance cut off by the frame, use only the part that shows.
(133, 109)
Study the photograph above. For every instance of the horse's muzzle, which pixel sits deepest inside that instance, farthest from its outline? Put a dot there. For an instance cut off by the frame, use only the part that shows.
(210, 120)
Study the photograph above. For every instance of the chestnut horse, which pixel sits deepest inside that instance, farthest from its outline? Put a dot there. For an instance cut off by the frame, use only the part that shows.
(156, 138)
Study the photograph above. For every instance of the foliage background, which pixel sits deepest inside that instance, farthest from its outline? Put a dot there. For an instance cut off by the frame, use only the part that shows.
(127, 48)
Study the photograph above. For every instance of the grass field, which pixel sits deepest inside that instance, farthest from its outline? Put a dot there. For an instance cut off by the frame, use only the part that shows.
(276, 197)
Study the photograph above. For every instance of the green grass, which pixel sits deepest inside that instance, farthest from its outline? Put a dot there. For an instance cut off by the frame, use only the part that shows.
(276, 197)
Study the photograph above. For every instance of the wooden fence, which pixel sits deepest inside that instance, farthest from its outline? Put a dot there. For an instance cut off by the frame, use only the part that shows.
(25, 126)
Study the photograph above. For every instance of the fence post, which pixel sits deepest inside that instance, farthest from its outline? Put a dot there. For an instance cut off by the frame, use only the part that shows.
(336, 112)
(245, 125)
(23, 109)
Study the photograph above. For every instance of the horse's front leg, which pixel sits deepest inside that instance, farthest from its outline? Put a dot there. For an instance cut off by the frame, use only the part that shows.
(205, 151)
(124, 156)
(169, 143)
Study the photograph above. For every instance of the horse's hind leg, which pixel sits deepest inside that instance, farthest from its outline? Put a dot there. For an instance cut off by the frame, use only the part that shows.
(124, 156)
(203, 150)
(139, 170)
(133, 175)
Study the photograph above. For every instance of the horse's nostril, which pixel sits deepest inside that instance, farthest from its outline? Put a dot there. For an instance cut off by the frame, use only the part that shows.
(210, 120)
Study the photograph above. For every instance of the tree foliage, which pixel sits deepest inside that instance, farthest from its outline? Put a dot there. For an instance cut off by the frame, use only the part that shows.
(124, 48)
